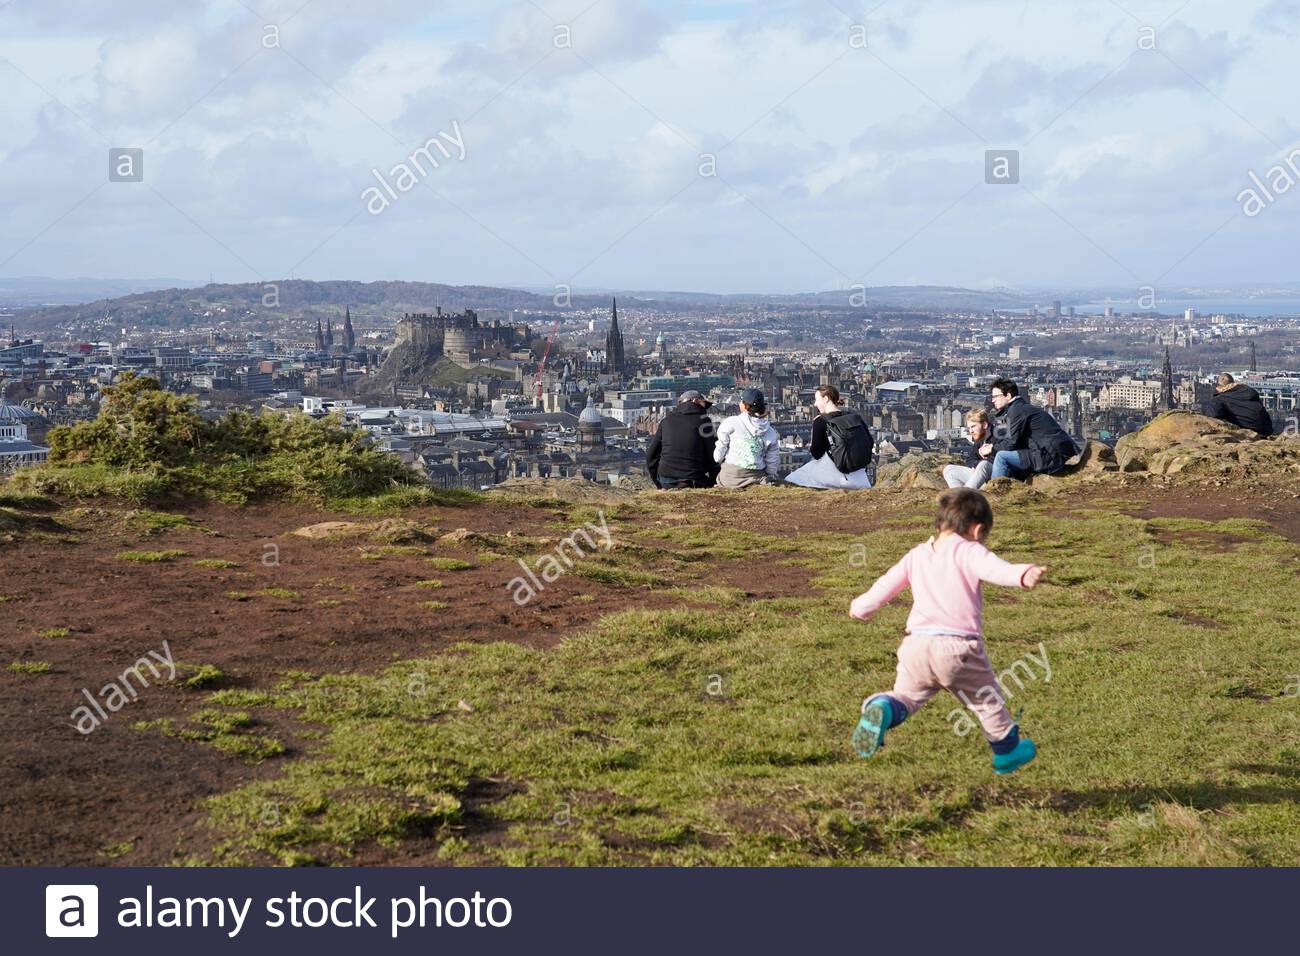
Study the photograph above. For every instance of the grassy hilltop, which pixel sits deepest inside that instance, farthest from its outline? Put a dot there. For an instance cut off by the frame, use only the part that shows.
(355, 682)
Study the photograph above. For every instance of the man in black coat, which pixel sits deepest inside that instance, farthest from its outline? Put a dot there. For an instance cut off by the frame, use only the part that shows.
(1027, 440)
(681, 453)
(1239, 405)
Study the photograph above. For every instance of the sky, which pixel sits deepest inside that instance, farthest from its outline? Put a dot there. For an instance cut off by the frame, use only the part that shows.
(769, 146)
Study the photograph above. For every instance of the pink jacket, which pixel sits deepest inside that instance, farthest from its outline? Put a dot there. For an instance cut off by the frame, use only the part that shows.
(945, 575)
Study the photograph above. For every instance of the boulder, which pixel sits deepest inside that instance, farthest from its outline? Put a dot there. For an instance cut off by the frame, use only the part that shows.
(1095, 457)
(1176, 440)
(915, 470)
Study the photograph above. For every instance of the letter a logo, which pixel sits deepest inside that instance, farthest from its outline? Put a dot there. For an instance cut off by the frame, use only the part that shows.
(71, 910)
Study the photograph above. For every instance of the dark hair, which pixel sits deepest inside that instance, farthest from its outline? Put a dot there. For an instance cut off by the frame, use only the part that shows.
(758, 409)
(1225, 379)
(1005, 386)
(830, 393)
(960, 509)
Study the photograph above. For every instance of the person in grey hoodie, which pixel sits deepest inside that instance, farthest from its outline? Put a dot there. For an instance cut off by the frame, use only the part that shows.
(748, 446)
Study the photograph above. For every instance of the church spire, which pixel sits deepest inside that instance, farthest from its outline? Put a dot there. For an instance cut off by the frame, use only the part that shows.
(349, 335)
(614, 357)
(320, 336)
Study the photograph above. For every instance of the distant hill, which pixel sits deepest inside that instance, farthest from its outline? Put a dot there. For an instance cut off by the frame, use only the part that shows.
(180, 308)
(286, 299)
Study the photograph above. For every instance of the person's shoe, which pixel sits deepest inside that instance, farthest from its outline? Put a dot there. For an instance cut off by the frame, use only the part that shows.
(869, 735)
(1017, 757)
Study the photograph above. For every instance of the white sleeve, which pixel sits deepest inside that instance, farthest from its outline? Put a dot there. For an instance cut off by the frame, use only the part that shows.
(724, 441)
(773, 461)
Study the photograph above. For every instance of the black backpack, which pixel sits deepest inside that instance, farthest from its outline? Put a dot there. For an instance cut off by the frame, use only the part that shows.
(850, 441)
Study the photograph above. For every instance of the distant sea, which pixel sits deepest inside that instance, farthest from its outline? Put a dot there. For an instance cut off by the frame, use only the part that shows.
(1254, 308)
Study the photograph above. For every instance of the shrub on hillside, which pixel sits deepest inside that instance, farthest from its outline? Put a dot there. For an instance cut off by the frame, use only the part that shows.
(150, 443)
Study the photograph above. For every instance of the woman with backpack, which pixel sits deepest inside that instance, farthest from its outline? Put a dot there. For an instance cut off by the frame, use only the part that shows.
(748, 446)
(841, 446)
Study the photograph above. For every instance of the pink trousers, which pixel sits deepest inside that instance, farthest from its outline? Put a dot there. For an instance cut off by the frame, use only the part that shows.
(928, 664)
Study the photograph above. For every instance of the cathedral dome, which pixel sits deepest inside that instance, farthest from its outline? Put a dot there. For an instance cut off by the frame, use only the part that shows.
(17, 413)
(591, 415)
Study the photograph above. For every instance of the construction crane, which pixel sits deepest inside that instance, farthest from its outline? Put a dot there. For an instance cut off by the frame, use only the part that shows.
(541, 366)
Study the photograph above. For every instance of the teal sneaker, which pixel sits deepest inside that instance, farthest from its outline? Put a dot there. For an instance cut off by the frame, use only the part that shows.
(1020, 755)
(869, 735)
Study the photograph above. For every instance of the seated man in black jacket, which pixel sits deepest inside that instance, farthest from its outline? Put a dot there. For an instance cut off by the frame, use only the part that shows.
(1028, 441)
(1239, 405)
(681, 453)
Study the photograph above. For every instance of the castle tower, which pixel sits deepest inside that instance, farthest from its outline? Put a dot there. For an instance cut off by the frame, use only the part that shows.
(614, 360)
(349, 336)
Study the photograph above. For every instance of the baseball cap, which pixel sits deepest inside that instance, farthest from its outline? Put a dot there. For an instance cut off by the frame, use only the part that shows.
(691, 396)
(752, 396)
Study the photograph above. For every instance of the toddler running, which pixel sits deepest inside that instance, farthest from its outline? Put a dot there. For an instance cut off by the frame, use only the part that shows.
(944, 645)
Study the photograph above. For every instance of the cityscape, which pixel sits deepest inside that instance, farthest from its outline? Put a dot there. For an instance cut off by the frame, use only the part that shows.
(471, 398)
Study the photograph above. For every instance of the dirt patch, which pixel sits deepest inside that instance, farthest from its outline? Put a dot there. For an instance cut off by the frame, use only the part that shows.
(1280, 512)
(285, 603)
(1197, 620)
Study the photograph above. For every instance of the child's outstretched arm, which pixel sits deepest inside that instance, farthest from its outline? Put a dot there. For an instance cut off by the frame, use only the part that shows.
(887, 587)
(989, 567)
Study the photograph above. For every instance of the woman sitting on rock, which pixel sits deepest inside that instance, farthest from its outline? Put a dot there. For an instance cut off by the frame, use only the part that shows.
(841, 446)
(748, 446)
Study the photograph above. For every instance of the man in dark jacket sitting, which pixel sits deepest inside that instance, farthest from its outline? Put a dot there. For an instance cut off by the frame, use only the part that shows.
(1027, 440)
(681, 453)
(1239, 405)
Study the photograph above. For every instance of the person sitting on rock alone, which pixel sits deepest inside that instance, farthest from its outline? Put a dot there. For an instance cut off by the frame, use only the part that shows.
(979, 467)
(748, 448)
(841, 446)
(1027, 440)
(1239, 404)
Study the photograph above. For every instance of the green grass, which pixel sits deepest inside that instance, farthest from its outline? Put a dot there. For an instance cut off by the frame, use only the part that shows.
(151, 557)
(389, 551)
(198, 675)
(215, 564)
(716, 731)
(283, 594)
(435, 605)
(226, 730)
(432, 585)
(619, 577)
(156, 522)
(54, 632)
(30, 667)
(117, 850)
(450, 564)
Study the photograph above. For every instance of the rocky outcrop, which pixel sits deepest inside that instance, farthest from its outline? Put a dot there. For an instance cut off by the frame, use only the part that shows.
(1177, 443)
(915, 470)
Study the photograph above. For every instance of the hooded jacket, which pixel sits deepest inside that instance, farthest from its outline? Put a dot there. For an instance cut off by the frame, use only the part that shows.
(1240, 406)
(681, 451)
(746, 441)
